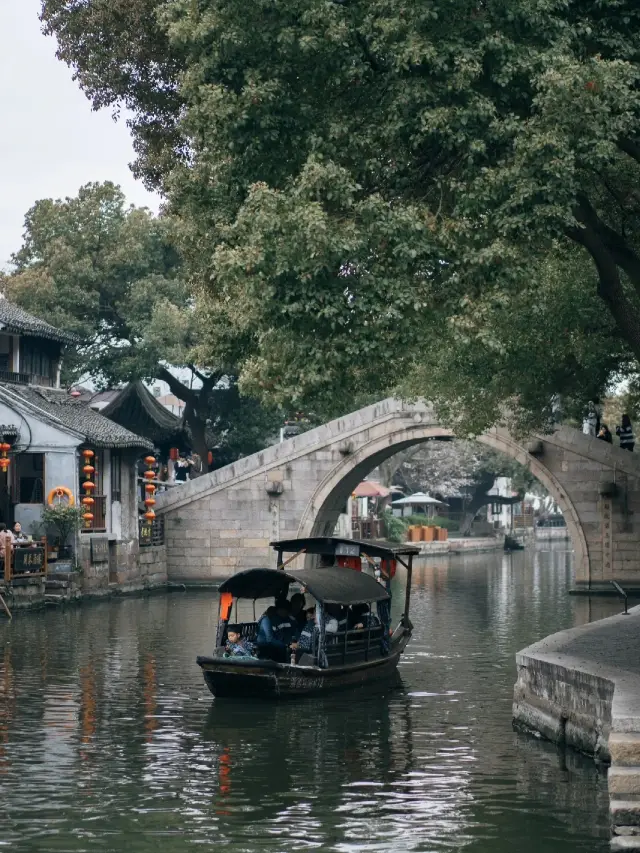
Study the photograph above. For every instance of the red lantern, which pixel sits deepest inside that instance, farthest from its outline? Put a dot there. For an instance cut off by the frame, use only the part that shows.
(88, 454)
(150, 515)
(88, 470)
(4, 464)
(149, 488)
(210, 457)
(88, 517)
(5, 447)
(150, 460)
(174, 454)
(150, 502)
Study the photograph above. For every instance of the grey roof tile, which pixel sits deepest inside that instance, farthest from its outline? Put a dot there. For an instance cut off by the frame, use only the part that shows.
(19, 321)
(55, 404)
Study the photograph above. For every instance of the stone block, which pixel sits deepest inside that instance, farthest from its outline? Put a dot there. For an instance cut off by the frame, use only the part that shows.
(624, 781)
(625, 812)
(625, 842)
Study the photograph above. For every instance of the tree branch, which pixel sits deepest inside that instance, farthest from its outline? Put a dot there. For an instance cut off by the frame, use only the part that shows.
(208, 381)
(187, 395)
(610, 288)
(630, 147)
(621, 253)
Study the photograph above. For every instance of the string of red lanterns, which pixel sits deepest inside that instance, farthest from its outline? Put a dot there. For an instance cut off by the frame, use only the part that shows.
(149, 487)
(88, 485)
(5, 447)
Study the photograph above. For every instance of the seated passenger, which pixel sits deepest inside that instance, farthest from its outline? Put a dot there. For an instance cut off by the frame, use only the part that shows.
(236, 646)
(335, 618)
(277, 632)
(298, 613)
(305, 643)
(360, 617)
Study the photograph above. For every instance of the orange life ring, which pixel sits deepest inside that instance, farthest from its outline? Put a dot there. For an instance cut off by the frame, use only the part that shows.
(60, 492)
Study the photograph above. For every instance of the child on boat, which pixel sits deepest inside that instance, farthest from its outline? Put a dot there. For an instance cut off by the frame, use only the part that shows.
(236, 646)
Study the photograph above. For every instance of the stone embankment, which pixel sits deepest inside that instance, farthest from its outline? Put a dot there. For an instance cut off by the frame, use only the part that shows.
(581, 688)
(469, 545)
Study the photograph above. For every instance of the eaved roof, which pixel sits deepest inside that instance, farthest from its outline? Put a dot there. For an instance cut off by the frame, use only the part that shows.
(136, 406)
(17, 321)
(58, 408)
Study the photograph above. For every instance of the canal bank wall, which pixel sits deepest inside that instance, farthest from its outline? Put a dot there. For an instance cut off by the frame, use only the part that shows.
(468, 545)
(581, 688)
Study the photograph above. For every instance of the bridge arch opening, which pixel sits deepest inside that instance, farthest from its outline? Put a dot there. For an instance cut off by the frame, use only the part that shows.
(330, 497)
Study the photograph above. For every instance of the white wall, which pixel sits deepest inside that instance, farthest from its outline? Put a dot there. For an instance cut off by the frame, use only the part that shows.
(60, 456)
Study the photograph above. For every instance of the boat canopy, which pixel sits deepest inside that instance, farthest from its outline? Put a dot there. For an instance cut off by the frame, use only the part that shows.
(329, 585)
(332, 546)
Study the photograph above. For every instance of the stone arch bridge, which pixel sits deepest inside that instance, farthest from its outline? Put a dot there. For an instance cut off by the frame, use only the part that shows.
(223, 522)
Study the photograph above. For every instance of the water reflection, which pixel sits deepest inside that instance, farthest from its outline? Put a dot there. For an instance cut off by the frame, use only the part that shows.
(110, 741)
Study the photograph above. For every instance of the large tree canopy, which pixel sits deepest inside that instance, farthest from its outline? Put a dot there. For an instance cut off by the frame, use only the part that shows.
(111, 274)
(442, 193)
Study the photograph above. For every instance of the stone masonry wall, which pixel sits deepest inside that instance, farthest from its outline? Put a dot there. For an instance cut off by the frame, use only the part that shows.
(223, 522)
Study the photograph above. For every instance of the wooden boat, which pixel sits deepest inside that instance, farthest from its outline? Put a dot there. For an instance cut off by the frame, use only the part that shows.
(338, 660)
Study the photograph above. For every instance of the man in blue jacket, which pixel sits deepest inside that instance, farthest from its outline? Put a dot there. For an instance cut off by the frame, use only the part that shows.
(277, 632)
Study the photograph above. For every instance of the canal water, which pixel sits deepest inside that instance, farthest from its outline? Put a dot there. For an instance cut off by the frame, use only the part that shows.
(109, 740)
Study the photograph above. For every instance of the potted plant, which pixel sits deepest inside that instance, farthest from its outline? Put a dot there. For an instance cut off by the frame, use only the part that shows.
(65, 520)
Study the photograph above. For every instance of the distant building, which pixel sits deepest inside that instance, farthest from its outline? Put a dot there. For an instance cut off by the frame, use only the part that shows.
(172, 403)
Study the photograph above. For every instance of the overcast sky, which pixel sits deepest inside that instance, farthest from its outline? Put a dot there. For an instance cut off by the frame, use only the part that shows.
(51, 142)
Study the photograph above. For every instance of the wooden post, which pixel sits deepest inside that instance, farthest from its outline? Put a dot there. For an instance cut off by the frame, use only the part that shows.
(290, 559)
(4, 604)
(407, 595)
(7, 559)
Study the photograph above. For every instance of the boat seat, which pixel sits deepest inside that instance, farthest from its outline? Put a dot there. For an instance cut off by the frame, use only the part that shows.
(249, 630)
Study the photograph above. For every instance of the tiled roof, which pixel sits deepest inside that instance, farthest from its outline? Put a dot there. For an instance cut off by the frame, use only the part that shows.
(136, 407)
(20, 322)
(57, 406)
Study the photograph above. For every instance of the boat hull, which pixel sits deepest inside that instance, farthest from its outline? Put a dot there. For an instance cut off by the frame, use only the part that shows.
(269, 680)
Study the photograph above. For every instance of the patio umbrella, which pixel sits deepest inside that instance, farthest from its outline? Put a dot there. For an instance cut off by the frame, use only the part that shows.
(371, 489)
(419, 499)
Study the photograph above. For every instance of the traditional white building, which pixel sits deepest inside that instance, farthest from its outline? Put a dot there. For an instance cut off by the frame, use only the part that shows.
(47, 428)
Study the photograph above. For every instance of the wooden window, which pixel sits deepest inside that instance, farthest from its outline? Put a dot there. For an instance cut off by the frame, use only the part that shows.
(29, 478)
(116, 475)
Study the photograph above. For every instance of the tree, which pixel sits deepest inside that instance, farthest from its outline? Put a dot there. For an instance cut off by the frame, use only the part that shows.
(448, 469)
(357, 181)
(111, 274)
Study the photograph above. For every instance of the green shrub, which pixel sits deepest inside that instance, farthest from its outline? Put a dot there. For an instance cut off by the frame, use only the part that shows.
(396, 527)
(64, 519)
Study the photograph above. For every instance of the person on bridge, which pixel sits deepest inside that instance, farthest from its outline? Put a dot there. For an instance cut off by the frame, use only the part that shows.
(625, 431)
(590, 420)
(605, 434)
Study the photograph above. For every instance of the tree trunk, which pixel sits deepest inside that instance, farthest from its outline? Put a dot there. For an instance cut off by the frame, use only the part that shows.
(388, 469)
(479, 498)
(195, 412)
(197, 427)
